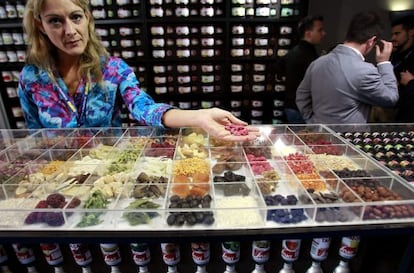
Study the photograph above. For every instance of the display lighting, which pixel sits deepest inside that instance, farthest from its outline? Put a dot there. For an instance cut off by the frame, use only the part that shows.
(398, 5)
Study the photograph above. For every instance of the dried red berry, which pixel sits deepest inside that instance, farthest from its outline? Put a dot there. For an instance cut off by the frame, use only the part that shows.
(237, 130)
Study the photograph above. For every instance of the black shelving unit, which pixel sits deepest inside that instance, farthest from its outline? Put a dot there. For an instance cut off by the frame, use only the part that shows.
(12, 56)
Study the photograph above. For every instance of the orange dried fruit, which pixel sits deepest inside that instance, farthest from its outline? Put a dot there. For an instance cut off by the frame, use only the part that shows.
(201, 178)
(181, 190)
(199, 191)
(181, 179)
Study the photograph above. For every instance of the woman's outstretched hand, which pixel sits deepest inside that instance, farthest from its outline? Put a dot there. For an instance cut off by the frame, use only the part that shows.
(223, 125)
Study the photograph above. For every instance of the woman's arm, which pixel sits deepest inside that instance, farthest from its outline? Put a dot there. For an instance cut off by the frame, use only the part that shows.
(29, 108)
(213, 121)
(147, 112)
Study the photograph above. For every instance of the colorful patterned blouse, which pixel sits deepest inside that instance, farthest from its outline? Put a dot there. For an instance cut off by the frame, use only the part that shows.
(48, 105)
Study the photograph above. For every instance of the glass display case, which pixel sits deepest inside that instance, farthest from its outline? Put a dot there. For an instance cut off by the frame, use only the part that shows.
(143, 181)
(391, 145)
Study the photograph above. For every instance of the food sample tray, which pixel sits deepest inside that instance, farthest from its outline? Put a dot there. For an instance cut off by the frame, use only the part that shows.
(391, 144)
(148, 179)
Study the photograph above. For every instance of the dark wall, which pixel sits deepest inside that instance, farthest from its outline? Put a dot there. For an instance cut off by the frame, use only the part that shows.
(338, 13)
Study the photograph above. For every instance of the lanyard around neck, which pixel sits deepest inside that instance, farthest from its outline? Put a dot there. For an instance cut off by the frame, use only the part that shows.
(81, 112)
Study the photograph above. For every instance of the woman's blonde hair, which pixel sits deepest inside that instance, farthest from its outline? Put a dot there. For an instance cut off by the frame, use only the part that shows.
(42, 53)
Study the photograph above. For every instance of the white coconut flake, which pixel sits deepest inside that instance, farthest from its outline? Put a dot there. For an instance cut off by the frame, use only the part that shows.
(231, 212)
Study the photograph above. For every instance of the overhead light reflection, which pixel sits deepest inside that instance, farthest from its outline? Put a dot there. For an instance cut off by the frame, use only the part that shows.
(281, 149)
(279, 144)
(265, 131)
(399, 5)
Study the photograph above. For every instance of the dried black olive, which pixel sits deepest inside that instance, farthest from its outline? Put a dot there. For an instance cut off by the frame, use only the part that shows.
(208, 219)
(171, 219)
(179, 220)
(191, 219)
(219, 179)
(174, 198)
(207, 198)
(199, 216)
(194, 203)
(189, 198)
(205, 204)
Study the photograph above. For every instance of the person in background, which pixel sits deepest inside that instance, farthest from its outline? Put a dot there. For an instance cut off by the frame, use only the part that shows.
(70, 80)
(340, 87)
(403, 60)
(294, 64)
(402, 57)
(405, 106)
(402, 39)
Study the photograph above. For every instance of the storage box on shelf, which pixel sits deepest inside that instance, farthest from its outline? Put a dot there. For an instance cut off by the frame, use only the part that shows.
(12, 57)
(145, 180)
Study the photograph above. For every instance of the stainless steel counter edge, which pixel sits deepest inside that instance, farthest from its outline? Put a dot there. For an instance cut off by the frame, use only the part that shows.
(65, 236)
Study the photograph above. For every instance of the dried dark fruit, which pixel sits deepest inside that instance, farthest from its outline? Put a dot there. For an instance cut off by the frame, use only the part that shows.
(82, 177)
(32, 218)
(54, 219)
(74, 203)
(199, 216)
(191, 219)
(208, 219)
(143, 178)
(55, 199)
(174, 198)
(42, 204)
(179, 220)
(62, 205)
(219, 168)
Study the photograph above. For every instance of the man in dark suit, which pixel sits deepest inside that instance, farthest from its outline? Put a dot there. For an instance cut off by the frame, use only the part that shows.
(341, 87)
(403, 61)
(402, 58)
(402, 38)
(294, 64)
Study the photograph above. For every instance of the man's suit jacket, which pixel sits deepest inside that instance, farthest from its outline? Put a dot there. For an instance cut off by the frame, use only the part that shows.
(341, 87)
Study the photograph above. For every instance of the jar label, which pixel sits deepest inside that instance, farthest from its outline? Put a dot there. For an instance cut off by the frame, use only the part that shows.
(200, 253)
(319, 248)
(290, 250)
(349, 247)
(52, 253)
(111, 254)
(81, 254)
(170, 254)
(24, 254)
(230, 252)
(260, 251)
(140, 254)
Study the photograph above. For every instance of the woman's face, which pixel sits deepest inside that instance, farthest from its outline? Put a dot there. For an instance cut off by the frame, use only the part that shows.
(66, 26)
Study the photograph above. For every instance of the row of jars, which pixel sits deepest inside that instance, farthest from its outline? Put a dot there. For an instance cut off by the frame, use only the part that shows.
(171, 255)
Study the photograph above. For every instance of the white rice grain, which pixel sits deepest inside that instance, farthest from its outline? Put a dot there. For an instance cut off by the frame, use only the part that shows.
(231, 212)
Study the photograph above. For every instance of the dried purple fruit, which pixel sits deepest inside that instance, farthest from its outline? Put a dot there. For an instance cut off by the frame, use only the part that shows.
(54, 219)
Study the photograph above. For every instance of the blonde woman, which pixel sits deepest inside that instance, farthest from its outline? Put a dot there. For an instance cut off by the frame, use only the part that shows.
(71, 81)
